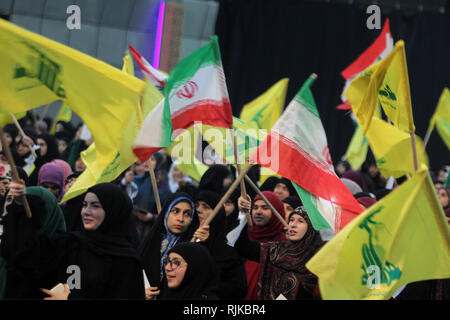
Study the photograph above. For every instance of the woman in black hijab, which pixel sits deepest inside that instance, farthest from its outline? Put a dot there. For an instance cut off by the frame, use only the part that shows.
(233, 280)
(48, 151)
(214, 179)
(163, 236)
(97, 263)
(191, 272)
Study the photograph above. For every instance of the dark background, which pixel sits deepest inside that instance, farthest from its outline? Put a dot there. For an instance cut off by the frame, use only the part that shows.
(263, 41)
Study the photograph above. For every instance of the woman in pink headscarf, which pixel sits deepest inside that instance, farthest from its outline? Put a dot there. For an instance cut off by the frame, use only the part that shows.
(67, 170)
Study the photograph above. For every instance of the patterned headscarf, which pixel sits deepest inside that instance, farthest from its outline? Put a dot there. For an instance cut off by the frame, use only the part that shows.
(282, 265)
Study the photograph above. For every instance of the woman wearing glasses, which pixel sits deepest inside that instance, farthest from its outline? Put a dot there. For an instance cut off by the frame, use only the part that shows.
(191, 273)
(177, 222)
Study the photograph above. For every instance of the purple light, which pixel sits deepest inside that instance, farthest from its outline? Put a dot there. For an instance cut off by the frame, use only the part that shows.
(159, 30)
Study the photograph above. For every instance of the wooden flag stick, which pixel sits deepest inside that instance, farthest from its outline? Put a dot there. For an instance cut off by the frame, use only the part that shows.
(19, 127)
(413, 143)
(155, 186)
(238, 166)
(226, 196)
(277, 214)
(14, 174)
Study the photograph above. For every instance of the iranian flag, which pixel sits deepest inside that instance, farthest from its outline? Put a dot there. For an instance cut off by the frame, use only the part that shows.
(378, 50)
(195, 91)
(156, 77)
(303, 157)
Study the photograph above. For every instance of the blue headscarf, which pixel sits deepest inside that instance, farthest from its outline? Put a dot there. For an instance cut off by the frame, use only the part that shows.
(170, 239)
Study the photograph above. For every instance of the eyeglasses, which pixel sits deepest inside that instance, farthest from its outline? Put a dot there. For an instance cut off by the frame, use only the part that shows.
(174, 263)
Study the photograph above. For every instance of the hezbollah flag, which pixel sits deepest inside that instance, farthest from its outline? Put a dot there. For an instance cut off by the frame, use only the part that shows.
(5, 118)
(267, 108)
(403, 238)
(441, 117)
(195, 92)
(297, 149)
(124, 157)
(357, 149)
(393, 150)
(35, 71)
(387, 82)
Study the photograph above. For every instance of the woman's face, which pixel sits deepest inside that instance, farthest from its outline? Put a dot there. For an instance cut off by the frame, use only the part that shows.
(177, 175)
(287, 210)
(229, 207)
(42, 146)
(22, 149)
(92, 212)
(62, 145)
(281, 190)
(175, 267)
(203, 210)
(179, 217)
(443, 197)
(261, 213)
(79, 165)
(8, 138)
(297, 227)
(52, 187)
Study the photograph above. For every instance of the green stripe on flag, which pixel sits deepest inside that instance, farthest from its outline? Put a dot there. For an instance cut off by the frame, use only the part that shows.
(308, 199)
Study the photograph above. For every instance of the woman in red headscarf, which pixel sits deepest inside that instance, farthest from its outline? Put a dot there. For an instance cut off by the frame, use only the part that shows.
(266, 227)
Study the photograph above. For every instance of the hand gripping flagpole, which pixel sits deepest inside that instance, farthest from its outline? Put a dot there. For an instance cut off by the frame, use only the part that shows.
(225, 197)
(19, 127)
(277, 214)
(243, 191)
(14, 174)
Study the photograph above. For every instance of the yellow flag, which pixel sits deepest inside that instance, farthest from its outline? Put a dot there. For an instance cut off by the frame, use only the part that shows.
(392, 149)
(124, 158)
(387, 82)
(267, 108)
(64, 114)
(5, 118)
(441, 117)
(401, 239)
(357, 149)
(187, 148)
(35, 71)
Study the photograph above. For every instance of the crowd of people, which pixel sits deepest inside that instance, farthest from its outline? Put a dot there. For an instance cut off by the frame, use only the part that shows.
(112, 243)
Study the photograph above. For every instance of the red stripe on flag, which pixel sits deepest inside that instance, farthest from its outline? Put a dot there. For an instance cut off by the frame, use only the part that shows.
(294, 165)
(140, 60)
(368, 56)
(209, 112)
(144, 153)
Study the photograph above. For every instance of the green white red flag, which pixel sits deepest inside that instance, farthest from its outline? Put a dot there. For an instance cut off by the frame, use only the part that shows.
(195, 91)
(303, 157)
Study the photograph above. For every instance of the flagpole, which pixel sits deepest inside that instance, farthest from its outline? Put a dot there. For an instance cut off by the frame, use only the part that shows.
(266, 201)
(155, 186)
(413, 143)
(427, 137)
(225, 197)
(19, 127)
(14, 174)
(238, 166)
